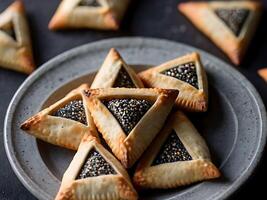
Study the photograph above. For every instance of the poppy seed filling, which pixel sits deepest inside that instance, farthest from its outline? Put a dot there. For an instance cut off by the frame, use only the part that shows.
(173, 150)
(128, 112)
(233, 18)
(74, 110)
(123, 79)
(185, 72)
(92, 3)
(95, 165)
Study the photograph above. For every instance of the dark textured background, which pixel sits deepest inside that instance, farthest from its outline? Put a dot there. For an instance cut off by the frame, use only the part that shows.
(149, 18)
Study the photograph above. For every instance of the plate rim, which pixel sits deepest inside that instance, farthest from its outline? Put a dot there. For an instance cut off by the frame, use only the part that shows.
(26, 181)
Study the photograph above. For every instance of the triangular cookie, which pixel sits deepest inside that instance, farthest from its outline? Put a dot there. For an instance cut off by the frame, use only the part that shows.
(178, 156)
(185, 74)
(229, 24)
(15, 43)
(129, 119)
(94, 173)
(114, 72)
(96, 14)
(65, 122)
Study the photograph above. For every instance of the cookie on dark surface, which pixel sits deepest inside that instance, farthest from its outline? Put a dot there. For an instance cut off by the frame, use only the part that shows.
(93, 14)
(15, 43)
(229, 24)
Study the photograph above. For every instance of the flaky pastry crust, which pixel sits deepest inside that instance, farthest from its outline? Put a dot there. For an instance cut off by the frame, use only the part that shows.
(202, 15)
(104, 187)
(105, 17)
(189, 98)
(128, 148)
(58, 130)
(174, 174)
(109, 71)
(15, 53)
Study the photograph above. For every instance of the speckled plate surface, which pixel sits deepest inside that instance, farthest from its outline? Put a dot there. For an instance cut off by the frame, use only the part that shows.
(234, 126)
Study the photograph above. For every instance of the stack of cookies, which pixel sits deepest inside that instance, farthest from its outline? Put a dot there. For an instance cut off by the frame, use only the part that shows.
(128, 121)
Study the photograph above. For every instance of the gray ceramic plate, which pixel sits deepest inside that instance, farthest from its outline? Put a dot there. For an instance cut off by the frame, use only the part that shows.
(234, 126)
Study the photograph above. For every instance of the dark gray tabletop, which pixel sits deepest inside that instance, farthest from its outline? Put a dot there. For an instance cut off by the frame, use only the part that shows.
(149, 18)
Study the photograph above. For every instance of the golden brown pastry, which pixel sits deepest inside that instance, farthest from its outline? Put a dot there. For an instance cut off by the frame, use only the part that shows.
(94, 173)
(263, 73)
(95, 14)
(185, 74)
(129, 119)
(114, 72)
(229, 24)
(15, 42)
(65, 122)
(178, 156)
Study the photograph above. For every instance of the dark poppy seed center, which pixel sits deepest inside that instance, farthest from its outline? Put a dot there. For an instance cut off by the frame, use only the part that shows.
(128, 112)
(95, 165)
(185, 72)
(173, 150)
(91, 3)
(74, 110)
(233, 18)
(123, 79)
